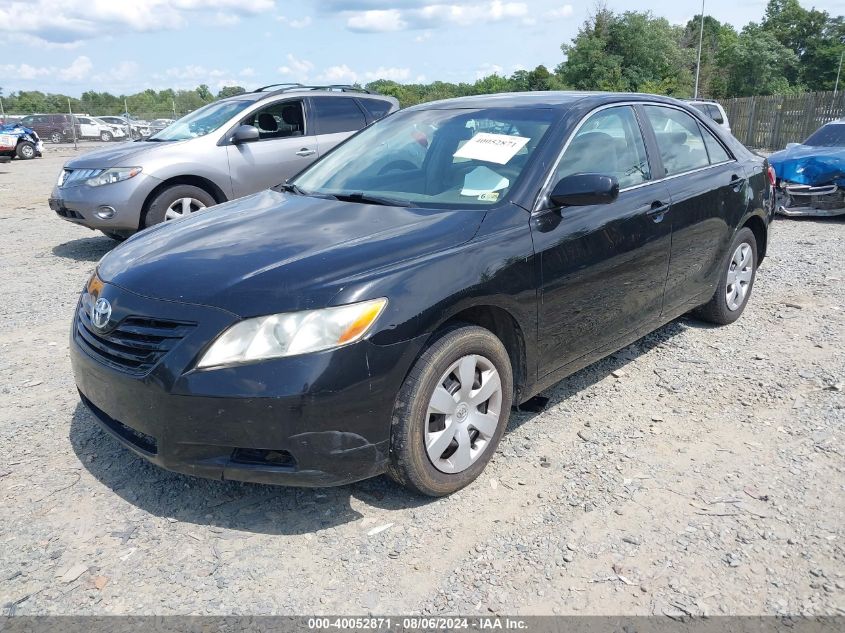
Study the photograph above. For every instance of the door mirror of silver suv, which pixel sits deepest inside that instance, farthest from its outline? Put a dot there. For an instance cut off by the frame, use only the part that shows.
(245, 134)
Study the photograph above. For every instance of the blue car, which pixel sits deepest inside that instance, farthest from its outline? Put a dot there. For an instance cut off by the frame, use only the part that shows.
(20, 141)
(810, 176)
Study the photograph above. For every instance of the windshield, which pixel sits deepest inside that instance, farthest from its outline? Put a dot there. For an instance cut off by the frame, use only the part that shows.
(830, 135)
(433, 158)
(201, 122)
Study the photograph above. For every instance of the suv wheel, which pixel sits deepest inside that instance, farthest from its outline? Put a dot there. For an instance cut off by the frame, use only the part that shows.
(737, 280)
(451, 412)
(176, 202)
(56, 137)
(106, 136)
(25, 150)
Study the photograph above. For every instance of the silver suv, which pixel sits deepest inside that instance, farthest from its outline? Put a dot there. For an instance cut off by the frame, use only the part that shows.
(225, 150)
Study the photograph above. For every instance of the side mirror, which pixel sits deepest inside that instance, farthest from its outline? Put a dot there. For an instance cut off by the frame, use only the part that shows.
(245, 134)
(584, 189)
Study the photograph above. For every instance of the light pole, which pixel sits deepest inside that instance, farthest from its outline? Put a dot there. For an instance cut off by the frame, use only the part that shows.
(700, 42)
(838, 72)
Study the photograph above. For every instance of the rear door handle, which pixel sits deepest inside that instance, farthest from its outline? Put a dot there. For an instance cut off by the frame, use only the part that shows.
(306, 152)
(657, 210)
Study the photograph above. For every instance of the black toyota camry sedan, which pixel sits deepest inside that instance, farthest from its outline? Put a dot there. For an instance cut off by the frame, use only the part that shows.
(385, 309)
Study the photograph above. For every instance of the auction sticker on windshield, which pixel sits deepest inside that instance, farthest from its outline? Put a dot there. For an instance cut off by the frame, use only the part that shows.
(492, 148)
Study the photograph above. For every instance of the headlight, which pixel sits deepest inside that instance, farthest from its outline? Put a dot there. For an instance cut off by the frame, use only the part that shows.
(116, 174)
(293, 333)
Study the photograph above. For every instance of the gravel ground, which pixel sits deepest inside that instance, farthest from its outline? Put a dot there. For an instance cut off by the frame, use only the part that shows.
(699, 470)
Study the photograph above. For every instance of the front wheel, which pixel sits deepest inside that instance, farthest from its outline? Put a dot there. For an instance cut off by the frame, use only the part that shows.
(106, 136)
(25, 150)
(56, 137)
(451, 412)
(176, 202)
(734, 289)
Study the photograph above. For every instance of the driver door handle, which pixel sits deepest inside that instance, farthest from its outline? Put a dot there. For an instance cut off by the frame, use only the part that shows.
(657, 210)
(306, 152)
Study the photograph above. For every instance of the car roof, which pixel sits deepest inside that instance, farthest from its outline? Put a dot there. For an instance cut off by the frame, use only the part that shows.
(298, 89)
(558, 100)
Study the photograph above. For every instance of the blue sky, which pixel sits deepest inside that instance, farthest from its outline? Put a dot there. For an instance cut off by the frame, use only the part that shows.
(123, 46)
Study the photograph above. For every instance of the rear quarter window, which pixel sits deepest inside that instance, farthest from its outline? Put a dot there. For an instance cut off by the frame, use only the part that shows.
(376, 108)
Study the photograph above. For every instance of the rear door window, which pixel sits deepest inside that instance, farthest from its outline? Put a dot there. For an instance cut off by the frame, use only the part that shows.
(610, 142)
(678, 139)
(337, 114)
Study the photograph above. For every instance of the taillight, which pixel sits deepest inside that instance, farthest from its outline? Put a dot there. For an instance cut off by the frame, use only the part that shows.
(772, 176)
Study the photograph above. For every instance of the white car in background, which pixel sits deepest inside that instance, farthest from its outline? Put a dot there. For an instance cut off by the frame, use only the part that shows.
(92, 127)
(713, 109)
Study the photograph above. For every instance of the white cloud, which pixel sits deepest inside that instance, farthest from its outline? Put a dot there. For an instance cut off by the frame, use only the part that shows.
(344, 74)
(378, 21)
(424, 37)
(247, 72)
(485, 70)
(224, 19)
(565, 11)
(79, 69)
(434, 15)
(298, 69)
(24, 72)
(338, 75)
(69, 21)
(295, 23)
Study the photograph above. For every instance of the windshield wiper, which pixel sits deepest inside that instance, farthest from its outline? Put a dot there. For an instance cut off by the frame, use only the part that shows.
(292, 188)
(365, 198)
(299, 191)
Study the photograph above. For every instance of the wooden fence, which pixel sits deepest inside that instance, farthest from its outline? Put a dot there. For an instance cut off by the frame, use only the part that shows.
(772, 121)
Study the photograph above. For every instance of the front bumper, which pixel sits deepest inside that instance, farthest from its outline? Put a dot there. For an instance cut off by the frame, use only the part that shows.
(81, 203)
(313, 420)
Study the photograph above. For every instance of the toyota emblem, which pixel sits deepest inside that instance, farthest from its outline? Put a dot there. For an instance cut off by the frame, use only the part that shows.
(101, 313)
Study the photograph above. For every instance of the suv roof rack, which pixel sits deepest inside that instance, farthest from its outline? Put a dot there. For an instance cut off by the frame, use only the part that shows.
(287, 87)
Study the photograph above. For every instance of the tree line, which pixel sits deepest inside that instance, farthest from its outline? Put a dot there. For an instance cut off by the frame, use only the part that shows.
(791, 50)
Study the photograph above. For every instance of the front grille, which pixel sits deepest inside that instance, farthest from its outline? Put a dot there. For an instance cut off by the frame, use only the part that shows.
(134, 346)
(69, 213)
(146, 443)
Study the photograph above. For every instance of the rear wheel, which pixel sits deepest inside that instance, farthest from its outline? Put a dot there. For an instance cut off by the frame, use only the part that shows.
(106, 136)
(451, 412)
(176, 202)
(734, 289)
(25, 150)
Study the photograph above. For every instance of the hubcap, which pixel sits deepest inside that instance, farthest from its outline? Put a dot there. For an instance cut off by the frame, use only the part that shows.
(182, 207)
(463, 414)
(740, 272)
(27, 151)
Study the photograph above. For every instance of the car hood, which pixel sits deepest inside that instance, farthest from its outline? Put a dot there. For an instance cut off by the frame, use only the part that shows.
(276, 252)
(806, 165)
(129, 154)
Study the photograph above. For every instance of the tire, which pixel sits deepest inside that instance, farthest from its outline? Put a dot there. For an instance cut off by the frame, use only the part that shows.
(56, 137)
(723, 308)
(106, 137)
(25, 150)
(413, 420)
(157, 211)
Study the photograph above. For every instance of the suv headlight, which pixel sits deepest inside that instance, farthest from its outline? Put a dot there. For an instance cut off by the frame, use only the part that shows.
(115, 174)
(293, 333)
